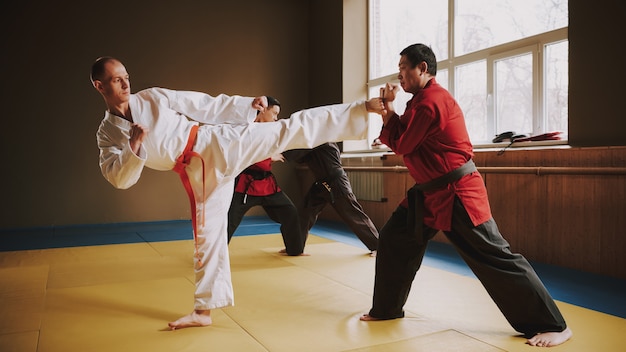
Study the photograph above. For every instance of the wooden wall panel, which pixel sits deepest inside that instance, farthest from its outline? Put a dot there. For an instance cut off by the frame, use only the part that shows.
(567, 220)
(563, 206)
(570, 210)
(517, 205)
(574, 218)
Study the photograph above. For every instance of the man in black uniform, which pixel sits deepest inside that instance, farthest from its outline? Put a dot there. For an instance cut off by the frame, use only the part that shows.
(332, 186)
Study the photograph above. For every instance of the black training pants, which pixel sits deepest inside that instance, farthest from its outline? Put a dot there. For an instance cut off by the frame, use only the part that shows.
(508, 277)
(279, 208)
(345, 204)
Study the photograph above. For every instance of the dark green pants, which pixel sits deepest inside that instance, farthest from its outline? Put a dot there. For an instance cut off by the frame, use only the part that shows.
(508, 277)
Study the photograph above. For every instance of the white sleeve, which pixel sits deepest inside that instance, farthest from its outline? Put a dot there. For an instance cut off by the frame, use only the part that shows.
(331, 123)
(305, 129)
(211, 110)
(118, 164)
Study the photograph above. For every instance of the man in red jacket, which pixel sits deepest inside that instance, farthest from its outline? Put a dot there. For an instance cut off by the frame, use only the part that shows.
(449, 196)
(257, 186)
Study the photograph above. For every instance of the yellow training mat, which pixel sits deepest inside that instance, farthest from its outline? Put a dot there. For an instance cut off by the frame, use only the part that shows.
(121, 297)
(448, 340)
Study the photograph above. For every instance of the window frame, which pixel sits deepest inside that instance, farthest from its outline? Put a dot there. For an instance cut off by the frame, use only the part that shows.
(536, 45)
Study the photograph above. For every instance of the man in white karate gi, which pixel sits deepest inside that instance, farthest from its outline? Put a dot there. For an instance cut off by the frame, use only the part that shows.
(208, 141)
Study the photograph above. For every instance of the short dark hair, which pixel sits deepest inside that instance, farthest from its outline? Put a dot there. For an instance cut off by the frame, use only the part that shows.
(97, 69)
(416, 53)
(271, 101)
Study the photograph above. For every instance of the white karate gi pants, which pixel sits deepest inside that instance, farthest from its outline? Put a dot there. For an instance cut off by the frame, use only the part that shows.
(226, 151)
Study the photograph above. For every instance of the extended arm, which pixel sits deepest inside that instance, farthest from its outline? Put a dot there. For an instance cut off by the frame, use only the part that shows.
(211, 110)
(296, 155)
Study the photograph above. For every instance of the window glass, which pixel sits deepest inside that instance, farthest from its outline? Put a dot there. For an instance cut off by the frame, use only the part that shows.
(556, 86)
(471, 88)
(514, 94)
(480, 24)
(396, 24)
(442, 78)
(507, 66)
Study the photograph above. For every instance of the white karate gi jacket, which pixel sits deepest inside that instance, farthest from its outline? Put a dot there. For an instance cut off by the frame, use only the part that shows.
(228, 143)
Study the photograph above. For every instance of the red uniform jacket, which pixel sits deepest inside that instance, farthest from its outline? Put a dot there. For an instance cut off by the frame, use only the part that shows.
(251, 185)
(433, 140)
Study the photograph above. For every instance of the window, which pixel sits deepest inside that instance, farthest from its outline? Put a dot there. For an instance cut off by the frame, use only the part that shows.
(504, 61)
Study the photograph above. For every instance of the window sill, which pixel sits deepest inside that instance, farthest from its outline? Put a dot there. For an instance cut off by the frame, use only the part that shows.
(488, 147)
(375, 152)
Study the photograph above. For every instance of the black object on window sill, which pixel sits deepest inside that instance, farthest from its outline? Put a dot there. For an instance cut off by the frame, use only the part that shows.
(511, 136)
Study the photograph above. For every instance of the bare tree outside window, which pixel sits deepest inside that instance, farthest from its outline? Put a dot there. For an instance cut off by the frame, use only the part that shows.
(471, 84)
(480, 24)
(396, 24)
(556, 86)
(514, 94)
(505, 61)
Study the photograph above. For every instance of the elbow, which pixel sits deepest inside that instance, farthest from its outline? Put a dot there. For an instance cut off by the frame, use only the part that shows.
(119, 182)
(118, 185)
(122, 175)
(121, 186)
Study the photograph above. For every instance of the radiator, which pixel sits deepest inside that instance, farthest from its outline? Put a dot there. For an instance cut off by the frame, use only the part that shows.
(367, 185)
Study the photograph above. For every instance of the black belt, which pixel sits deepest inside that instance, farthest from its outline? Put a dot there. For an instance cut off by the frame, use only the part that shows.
(257, 175)
(415, 195)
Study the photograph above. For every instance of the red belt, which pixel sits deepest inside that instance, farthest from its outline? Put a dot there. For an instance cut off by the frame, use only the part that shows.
(181, 163)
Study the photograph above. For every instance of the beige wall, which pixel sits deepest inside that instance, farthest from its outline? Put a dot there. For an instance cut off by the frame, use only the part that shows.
(290, 49)
(596, 74)
(50, 173)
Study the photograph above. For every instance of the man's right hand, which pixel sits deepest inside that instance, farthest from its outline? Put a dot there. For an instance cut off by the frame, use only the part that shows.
(388, 94)
(137, 134)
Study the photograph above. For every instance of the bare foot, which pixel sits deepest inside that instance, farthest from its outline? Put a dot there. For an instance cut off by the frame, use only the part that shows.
(367, 317)
(549, 339)
(284, 252)
(195, 318)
